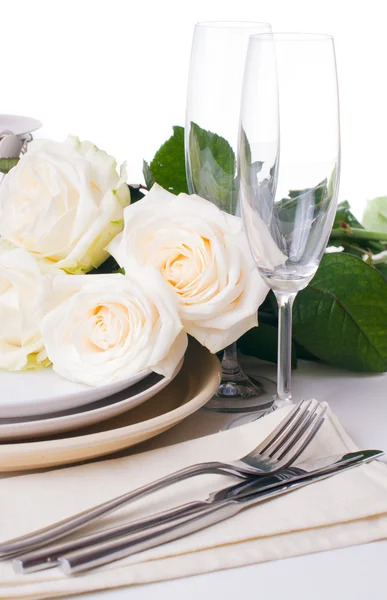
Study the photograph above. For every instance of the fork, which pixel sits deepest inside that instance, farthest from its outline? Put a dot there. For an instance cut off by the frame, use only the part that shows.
(277, 451)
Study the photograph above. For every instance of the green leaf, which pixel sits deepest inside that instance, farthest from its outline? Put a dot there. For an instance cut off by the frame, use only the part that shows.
(135, 193)
(148, 175)
(304, 200)
(344, 215)
(350, 248)
(212, 167)
(168, 165)
(320, 192)
(375, 215)
(356, 246)
(268, 311)
(382, 268)
(6, 164)
(303, 353)
(246, 150)
(299, 201)
(341, 317)
(109, 266)
(212, 163)
(262, 342)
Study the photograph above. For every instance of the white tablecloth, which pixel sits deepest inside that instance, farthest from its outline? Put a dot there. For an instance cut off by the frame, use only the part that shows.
(356, 573)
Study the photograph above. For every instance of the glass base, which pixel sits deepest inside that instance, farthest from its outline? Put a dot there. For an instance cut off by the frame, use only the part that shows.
(282, 402)
(239, 393)
(249, 417)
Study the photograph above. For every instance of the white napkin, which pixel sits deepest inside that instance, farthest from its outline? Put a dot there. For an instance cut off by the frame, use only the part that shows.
(348, 509)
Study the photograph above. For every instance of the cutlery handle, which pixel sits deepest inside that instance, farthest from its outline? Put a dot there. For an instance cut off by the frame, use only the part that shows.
(106, 552)
(110, 551)
(126, 545)
(47, 557)
(44, 536)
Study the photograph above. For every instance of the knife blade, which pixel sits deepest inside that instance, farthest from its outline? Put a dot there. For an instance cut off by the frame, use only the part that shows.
(104, 547)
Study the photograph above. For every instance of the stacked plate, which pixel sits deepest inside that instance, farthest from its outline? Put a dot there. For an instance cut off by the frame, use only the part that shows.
(56, 421)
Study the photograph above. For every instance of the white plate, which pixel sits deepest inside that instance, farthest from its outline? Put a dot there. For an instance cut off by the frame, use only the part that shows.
(96, 412)
(30, 393)
(18, 125)
(189, 391)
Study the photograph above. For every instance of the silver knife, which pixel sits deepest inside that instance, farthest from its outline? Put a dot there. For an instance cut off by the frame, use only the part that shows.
(225, 502)
(107, 552)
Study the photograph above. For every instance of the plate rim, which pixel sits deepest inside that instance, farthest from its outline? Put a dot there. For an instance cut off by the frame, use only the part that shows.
(96, 412)
(43, 406)
(35, 449)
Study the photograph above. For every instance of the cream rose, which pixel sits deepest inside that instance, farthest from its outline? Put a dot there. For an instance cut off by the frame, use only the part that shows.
(101, 328)
(64, 203)
(203, 254)
(21, 344)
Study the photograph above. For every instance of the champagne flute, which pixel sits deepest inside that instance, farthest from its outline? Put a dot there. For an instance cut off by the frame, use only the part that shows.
(289, 165)
(211, 138)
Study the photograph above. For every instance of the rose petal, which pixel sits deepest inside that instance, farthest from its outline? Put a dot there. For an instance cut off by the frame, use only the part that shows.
(21, 342)
(101, 328)
(64, 202)
(203, 255)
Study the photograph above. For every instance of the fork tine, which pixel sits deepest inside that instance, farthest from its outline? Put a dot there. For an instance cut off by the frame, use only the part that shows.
(289, 431)
(310, 434)
(292, 436)
(279, 430)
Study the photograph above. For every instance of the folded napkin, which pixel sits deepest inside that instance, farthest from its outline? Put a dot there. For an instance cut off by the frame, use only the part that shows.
(348, 509)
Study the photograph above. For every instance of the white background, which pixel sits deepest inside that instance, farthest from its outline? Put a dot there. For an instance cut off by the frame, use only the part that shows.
(115, 71)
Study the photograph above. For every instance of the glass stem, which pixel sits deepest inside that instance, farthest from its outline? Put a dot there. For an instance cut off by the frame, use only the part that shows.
(284, 368)
(230, 364)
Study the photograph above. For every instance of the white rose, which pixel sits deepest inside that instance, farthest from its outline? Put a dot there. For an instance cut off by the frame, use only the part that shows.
(21, 344)
(101, 328)
(64, 203)
(203, 254)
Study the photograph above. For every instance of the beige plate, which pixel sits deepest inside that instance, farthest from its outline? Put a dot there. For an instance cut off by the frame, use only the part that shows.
(189, 391)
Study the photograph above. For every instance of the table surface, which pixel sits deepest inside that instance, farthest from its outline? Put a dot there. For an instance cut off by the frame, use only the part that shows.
(356, 573)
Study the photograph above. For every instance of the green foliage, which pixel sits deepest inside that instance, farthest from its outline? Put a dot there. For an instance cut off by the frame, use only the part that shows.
(345, 217)
(382, 268)
(341, 317)
(109, 266)
(168, 166)
(148, 175)
(343, 224)
(212, 167)
(135, 193)
(286, 209)
(262, 342)
(6, 164)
